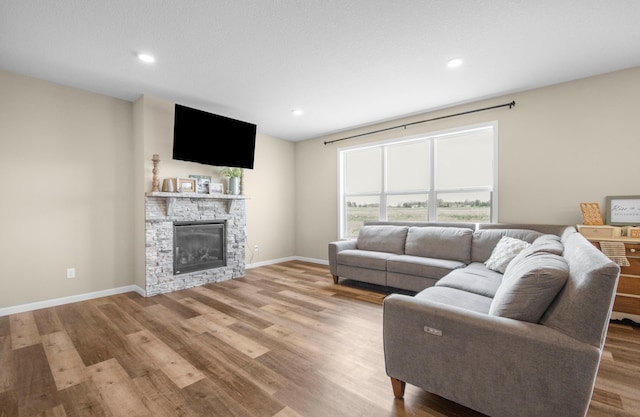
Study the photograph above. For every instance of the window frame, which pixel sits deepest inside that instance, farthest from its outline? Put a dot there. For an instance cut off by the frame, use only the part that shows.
(432, 193)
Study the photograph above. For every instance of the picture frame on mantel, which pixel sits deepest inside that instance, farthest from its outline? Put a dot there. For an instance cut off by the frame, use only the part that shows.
(202, 183)
(623, 210)
(216, 188)
(186, 185)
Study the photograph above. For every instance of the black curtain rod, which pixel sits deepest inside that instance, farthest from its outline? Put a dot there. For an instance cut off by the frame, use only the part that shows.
(513, 103)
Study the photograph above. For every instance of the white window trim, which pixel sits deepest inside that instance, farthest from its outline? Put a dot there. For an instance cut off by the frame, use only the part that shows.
(341, 200)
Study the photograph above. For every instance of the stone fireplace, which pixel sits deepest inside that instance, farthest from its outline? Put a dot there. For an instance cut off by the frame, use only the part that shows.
(211, 249)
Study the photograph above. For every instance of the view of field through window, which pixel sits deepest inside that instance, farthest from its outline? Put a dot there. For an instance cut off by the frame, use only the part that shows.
(475, 211)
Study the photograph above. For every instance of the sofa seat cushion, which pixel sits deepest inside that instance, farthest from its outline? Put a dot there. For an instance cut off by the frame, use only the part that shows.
(424, 267)
(382, 238)
(475, 278)
(364, 259)
(456, 297)
(479, 268)
(412, 283)
(452, 243)
(529, 286)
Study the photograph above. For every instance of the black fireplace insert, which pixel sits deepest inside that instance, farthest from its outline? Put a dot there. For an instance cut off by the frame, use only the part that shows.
(199, 245)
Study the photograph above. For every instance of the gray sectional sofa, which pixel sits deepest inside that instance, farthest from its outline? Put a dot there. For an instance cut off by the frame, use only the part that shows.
(517, 335)
(414, 256)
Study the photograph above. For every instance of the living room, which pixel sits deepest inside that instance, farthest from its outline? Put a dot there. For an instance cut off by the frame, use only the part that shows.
(77, 165)
(86, 163)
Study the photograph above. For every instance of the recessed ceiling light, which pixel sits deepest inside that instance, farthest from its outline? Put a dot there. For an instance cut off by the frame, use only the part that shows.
(454, 63)
(146, 58)
(297, 112)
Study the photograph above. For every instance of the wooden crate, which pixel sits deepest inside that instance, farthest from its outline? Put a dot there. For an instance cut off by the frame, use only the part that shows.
(603, 232)
(632, 232)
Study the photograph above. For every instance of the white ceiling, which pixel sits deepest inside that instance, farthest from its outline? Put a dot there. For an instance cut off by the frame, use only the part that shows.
(346, 63)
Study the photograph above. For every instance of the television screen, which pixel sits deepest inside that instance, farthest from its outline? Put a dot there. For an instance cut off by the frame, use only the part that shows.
(211, 139)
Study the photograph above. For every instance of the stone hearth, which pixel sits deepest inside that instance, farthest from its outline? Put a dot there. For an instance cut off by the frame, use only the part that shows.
(163, 209)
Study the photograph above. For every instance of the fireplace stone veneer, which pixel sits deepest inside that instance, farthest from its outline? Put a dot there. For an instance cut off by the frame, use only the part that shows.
(165, 209)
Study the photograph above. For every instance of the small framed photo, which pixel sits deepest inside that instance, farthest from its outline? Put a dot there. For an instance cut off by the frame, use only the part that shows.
(623, 210)
(215, 188)
(202, 183)
(186, 185)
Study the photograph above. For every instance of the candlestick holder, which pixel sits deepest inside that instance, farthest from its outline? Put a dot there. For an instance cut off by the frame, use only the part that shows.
(155, 185)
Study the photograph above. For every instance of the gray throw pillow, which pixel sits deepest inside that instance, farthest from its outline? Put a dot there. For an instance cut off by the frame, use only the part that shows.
(543, 244)
(529, 286)
(548, 243)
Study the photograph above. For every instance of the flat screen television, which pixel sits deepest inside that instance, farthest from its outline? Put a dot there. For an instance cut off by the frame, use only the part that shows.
(211, 139)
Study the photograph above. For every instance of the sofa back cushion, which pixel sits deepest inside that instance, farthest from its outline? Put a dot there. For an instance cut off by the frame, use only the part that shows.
(485, 240)
(453, 243)
(382, 239)
(529, 286)
(543, 244)
(549, 244)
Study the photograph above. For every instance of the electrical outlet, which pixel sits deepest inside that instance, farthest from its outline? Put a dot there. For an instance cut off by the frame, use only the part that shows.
(71, 272)
(256, 248)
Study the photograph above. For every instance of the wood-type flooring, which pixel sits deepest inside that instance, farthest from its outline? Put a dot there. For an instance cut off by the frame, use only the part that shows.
(283, 341)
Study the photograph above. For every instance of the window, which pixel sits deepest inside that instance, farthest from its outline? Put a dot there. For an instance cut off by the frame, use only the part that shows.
(444, 177)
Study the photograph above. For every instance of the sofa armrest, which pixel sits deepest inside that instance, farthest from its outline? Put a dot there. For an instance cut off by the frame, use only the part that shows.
(492, 364)
(334, 248)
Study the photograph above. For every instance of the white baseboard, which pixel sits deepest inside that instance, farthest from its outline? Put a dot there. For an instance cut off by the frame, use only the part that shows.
(269, 262)
(281, 260)
(129, 288)
(71, 299)
(312, 260)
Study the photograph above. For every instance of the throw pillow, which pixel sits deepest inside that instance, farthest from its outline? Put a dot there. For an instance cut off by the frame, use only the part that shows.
(548, 243)
(506, 249)
(543, 244)
(529, 286)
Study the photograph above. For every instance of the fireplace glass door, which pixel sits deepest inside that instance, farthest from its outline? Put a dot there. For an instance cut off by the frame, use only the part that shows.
(198, 246)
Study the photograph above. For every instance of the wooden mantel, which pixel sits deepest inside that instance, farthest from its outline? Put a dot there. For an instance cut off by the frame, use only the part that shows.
(171, 198)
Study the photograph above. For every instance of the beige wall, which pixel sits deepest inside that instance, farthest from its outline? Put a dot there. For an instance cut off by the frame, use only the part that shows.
(137, 196)
(559, 146)
(66, 169)
(270, 189)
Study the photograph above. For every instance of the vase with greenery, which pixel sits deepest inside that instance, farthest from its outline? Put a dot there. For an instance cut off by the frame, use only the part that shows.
(232, 177)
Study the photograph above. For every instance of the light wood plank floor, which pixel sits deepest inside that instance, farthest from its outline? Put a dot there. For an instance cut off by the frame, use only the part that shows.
(282, 341)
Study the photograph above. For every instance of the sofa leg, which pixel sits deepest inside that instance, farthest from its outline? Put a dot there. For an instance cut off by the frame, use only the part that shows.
(398, 387)
(335, 279)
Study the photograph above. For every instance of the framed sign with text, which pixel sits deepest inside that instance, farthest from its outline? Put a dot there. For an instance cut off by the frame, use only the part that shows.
(623, 210)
